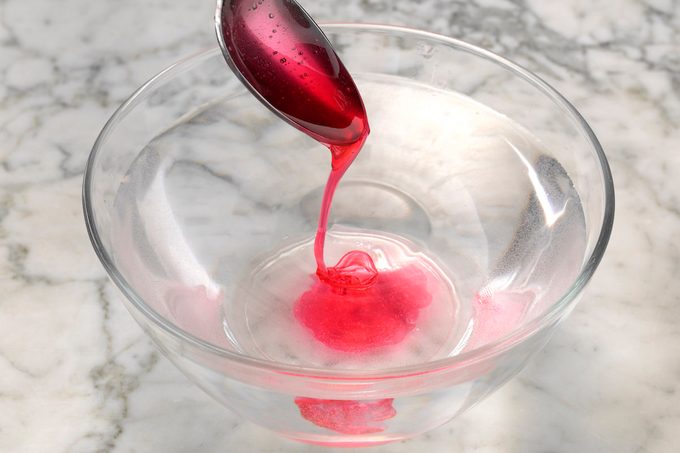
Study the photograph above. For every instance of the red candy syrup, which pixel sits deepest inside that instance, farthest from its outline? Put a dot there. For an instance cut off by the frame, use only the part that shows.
(289, 64)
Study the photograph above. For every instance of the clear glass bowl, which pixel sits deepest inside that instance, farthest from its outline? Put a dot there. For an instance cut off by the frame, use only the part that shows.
(194, 190)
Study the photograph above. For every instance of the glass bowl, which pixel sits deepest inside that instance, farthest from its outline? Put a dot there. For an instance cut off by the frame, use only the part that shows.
(196, 197)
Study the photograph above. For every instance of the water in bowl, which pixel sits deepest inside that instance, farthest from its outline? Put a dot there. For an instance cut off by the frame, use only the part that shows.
(215, 228)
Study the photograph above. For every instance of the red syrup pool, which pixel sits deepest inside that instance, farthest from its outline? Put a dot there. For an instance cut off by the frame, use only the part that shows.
(384, 304)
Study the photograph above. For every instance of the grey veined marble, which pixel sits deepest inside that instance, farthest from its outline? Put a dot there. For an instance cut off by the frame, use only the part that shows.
(76, 373)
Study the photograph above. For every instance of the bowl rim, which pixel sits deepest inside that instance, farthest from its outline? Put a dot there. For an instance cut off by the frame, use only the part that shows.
(462, 360)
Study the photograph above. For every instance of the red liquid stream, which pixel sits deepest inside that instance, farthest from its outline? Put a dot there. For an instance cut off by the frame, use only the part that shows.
(287, 62)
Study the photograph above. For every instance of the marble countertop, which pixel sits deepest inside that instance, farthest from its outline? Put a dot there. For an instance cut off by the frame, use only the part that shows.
(78, 375)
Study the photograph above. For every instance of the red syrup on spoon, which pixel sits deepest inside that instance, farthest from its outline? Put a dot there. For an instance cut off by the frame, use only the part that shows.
(285, 60)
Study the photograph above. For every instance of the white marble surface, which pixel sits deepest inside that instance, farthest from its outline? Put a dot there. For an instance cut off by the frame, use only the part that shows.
(78, 375)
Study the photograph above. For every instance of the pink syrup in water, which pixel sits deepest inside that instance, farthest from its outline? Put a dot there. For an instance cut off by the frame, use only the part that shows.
(345, 416)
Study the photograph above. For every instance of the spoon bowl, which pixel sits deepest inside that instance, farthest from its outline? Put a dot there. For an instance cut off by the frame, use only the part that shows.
(283, 57)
